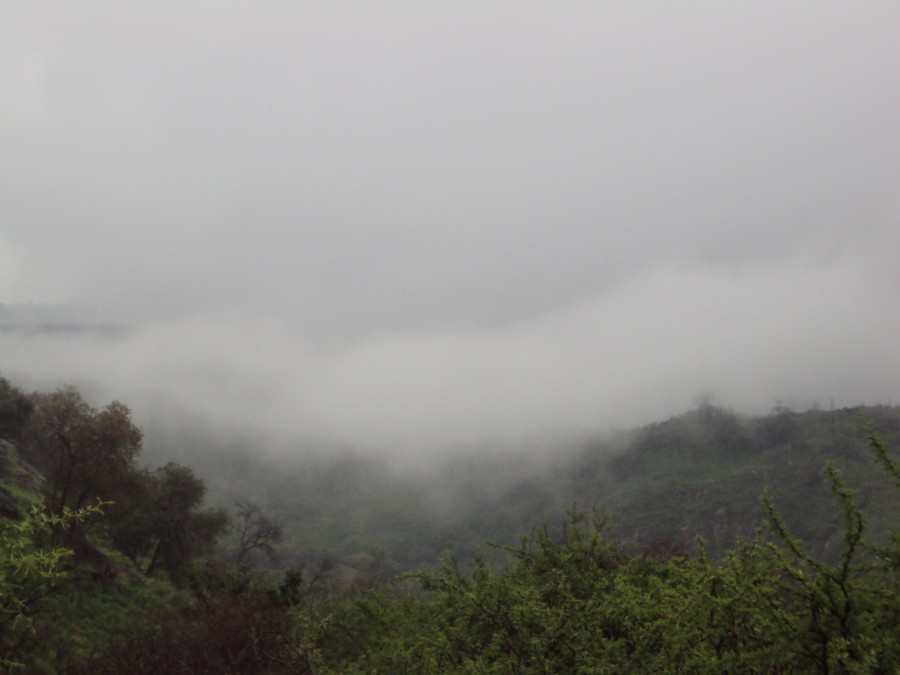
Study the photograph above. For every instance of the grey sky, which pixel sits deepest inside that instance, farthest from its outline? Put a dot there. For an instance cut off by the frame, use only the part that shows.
(420, 221)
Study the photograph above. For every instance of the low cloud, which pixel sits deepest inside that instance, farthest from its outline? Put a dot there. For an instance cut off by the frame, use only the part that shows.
(404, 228)
(793, 333)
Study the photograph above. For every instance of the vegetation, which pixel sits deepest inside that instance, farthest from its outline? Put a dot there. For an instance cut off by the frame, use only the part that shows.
(32, 569)
(84, 454)
(574, 601)
(116, 572)
(696, 474)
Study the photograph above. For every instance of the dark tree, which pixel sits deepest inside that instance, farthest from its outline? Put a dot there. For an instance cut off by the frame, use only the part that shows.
(84, 454)
(132, 522)
(181, 530)
(15, 409)
(255, 532)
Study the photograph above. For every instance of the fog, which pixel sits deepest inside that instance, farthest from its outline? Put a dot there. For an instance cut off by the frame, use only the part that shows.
(421, 225)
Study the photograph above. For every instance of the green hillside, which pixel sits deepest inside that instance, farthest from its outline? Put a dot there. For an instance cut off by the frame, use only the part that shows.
(702, 473)
(699, 473)
(107, 566)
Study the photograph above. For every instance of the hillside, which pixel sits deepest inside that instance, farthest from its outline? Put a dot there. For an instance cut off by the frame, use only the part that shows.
(699, 473)
(702, 473)
(108, 567)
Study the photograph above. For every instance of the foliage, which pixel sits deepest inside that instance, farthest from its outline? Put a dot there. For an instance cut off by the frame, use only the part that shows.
(575, 601)
(84, 453)
(569, 598)
(31, 569)
(179, 529)
(229, 623)
(15, 409)
(699, 473)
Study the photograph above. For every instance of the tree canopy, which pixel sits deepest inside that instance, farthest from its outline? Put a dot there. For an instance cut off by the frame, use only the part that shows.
(84, 453)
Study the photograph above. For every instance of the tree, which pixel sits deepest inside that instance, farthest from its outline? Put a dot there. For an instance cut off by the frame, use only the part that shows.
(181, 531)
(132, 521)
(255, 532)
(84, 454)
(88, 454)
(15, 409)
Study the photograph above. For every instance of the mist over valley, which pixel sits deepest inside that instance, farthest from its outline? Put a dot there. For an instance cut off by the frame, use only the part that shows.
(444, 337)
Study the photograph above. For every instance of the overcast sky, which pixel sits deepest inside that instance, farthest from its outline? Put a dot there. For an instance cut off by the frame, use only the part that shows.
(434, 222)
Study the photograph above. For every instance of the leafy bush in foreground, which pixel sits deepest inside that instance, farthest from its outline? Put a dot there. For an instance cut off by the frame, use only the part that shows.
(574, 601)
(32, 569)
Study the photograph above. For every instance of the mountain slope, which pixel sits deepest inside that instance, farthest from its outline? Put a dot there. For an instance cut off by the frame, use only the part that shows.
(700, 473)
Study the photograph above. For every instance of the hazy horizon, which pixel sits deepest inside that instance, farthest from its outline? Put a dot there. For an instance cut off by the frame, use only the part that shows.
(419, 226)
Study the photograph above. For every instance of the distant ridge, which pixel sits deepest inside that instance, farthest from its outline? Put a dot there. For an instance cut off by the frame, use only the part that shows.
(53, 319)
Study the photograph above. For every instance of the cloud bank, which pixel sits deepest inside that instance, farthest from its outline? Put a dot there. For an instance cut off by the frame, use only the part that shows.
(796, 335)
(406, 226)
